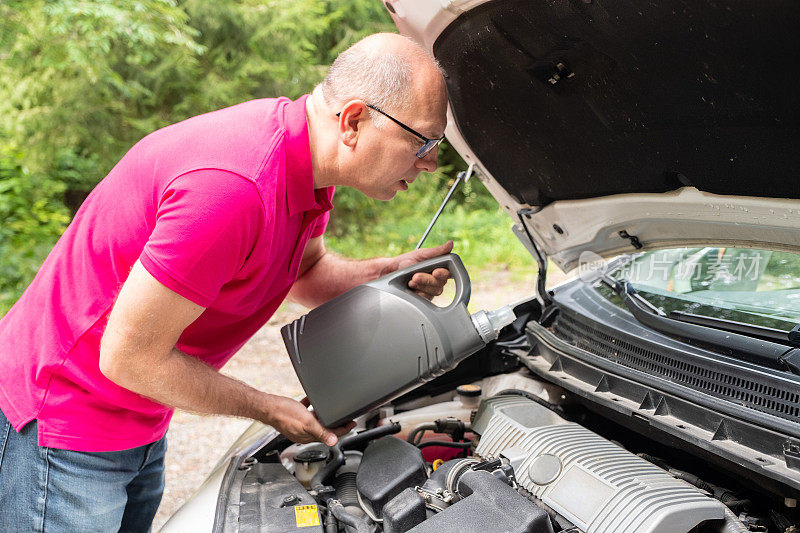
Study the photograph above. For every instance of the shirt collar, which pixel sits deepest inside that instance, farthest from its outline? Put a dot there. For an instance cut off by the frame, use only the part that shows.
(300, 192)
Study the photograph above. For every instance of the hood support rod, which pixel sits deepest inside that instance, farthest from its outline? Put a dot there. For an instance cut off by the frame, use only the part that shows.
(462, 176)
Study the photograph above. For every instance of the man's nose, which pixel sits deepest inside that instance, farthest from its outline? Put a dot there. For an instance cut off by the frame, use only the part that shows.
(429, 163)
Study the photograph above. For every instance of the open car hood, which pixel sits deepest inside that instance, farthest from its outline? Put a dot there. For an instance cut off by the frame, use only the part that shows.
(621, 126)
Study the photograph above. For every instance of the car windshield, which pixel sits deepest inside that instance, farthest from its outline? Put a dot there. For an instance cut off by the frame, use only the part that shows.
(759, 287)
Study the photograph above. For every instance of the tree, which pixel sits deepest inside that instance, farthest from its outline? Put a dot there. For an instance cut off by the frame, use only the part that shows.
(87, 77)
(81, 81)
(32, 219)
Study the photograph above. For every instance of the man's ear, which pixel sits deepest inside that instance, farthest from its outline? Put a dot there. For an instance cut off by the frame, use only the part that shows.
(350, 119)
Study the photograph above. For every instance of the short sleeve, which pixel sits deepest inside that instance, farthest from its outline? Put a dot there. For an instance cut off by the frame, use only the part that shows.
(207, 223)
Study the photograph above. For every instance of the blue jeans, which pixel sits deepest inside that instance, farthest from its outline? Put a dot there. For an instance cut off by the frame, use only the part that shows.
(47, 489)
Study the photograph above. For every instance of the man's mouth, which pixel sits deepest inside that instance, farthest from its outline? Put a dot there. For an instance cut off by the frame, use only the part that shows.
(404, 185)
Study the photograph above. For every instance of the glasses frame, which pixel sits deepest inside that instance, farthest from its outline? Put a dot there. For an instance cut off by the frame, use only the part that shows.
(428, 143)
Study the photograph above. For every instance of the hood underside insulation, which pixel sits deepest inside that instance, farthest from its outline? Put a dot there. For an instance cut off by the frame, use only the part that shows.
(576, 99)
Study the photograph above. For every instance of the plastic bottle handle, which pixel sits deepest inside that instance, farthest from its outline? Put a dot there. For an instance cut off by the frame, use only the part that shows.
(451, 262)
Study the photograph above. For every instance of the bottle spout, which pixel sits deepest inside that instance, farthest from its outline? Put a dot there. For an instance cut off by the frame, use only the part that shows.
(501, 317)
(489, 323)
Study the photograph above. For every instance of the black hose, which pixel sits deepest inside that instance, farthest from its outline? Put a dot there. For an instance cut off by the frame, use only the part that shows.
(726, 496)
(438, 479)
(331, 524)
(655, 460)
(321, 477)
(346, 489)
(338, 510)
(337, 455)
(446, 443)
(692, 479)
(737, 505)
(419, 429)
(353, 441)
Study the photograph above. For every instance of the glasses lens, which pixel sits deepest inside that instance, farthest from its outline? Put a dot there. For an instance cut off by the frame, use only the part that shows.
(427, 147)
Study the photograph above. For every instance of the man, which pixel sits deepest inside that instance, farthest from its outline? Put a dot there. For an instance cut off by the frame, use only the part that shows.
(178, 256)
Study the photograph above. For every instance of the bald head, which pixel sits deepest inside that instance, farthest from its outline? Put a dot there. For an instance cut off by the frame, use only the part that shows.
(356, 146)
(386, 70)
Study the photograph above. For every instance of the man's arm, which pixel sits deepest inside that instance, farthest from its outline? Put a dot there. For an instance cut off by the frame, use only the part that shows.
(138, 353)
(324, 275)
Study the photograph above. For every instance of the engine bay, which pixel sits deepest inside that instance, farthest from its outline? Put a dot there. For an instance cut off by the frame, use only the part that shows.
(507, 453)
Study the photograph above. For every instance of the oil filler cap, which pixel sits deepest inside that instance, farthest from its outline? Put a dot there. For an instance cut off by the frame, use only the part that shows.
(310, 456)
(468, 391)
(544, 469)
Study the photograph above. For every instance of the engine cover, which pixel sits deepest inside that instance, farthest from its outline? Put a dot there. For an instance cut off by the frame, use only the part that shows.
(595, 484)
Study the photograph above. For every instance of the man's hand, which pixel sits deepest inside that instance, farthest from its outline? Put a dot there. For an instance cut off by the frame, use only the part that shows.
(426, 285)
(298, 424)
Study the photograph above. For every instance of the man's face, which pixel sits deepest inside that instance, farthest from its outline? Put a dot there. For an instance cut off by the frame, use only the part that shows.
(389, 156)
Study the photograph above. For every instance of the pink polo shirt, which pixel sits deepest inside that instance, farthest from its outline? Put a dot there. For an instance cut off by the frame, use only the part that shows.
(219, 209)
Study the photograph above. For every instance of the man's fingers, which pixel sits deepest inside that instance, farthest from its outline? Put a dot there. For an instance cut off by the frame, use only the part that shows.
(323, 435)
(427, 253)
(429, 293)
(441, 274)
(293, 419)
(420, 280)
(445, 248)
(433, 283)
(427, 285)
(414, 257)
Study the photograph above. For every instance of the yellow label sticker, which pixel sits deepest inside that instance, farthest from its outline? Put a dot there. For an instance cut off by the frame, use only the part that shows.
(306, 515)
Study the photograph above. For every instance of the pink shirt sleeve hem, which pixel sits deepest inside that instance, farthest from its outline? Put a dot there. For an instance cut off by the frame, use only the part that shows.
(172, 282)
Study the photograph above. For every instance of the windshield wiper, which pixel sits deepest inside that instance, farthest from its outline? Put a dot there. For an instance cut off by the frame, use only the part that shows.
(758, 351)
(753, 330)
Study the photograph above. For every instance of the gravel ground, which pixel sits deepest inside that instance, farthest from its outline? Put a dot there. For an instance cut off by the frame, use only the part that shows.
(197, 442)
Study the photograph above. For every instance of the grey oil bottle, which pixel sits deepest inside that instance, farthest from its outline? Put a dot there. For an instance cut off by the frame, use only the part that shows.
(379, 340)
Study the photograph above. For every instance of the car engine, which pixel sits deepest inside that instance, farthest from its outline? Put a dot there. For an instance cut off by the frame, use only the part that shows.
(489, 460)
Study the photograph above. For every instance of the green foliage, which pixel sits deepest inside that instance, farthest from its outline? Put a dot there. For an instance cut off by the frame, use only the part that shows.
(32, 218)
(481, 238)
(81, 81)
(90, 76)
(479, 229)
(356, 214)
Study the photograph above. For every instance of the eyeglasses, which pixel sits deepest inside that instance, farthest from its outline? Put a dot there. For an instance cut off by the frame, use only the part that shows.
(427, 144)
